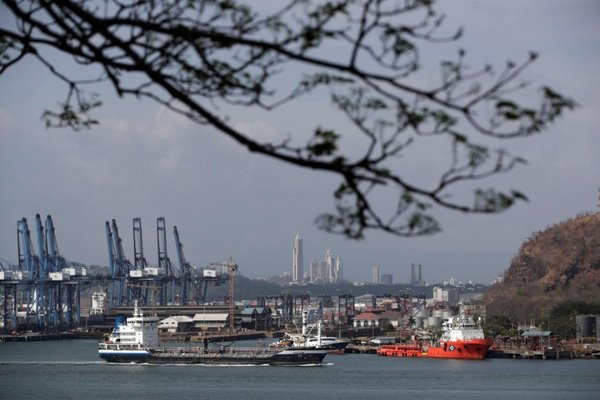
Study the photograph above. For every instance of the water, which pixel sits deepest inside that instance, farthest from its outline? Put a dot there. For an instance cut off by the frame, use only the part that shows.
(72, 370)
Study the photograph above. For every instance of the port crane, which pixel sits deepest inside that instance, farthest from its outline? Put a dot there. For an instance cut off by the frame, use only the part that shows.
(50, 285)
(120, 266)
(186, 270)
(194, 278)
(164, 263)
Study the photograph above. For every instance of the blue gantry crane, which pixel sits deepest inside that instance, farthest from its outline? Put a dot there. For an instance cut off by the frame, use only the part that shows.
(168, 292)
(29, 265)
(138, 280)
(195, 281)
(120, 267)
(186, 271)
(50, 285)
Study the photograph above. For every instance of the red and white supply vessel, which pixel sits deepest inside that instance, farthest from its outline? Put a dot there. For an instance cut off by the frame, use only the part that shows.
(462, 338)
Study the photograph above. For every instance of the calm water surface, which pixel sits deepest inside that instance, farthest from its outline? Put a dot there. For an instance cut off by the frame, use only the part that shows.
(72, 370)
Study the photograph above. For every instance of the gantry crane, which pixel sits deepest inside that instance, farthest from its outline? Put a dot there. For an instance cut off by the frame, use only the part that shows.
(193, 277)
(186, 271)
(120, 266)
(164, 263)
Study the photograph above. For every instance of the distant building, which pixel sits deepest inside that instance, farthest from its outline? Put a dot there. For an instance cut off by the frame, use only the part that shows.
(474, 307)
(177, 323)
(416, 274)
(209, 321)
(98, 303)
(297, 260)
(256, 318)
(449, 296)
(331, 270)
(375, 275)
(339, 270)
(317, 271)
(387, 279)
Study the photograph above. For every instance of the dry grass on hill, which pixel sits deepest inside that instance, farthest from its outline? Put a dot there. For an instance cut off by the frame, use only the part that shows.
(559, 263)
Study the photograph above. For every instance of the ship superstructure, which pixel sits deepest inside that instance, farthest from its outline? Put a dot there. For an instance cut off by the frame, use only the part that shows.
(306, 339)
(461, 338)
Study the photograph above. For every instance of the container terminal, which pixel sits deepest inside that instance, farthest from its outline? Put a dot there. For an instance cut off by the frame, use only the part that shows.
(40, 299)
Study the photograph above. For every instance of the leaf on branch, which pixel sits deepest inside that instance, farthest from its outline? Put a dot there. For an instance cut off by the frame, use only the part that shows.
(375, 104)
(310, 82)
(421, 224)
(491, 201)
(311, 37)
(477, 155)
(554, 103)
(74, 117)
(329, 10)
(345, 223)
(323, 143)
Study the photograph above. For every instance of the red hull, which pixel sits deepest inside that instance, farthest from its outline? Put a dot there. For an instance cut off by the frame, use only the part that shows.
(464, 350)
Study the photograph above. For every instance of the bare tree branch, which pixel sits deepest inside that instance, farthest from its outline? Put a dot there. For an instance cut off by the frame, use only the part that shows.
(199, 58)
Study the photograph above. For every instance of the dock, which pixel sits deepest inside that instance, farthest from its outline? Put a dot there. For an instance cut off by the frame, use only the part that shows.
(525, 354)
(38, 337)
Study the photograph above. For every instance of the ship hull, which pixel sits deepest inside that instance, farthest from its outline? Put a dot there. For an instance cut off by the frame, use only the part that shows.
(215, 357)
(474, 349)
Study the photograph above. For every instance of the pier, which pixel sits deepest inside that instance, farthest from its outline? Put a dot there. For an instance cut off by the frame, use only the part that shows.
(38, 337)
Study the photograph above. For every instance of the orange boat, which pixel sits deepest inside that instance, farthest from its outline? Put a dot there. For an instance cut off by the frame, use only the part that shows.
(462, 338)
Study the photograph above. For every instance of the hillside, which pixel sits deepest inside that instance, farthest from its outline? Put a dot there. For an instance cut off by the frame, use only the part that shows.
(560, 263)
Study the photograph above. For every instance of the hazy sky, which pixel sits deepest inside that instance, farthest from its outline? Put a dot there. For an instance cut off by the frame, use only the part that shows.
(143, 161)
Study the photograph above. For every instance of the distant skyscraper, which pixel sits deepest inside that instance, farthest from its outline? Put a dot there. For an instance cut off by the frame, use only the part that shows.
(375, 275)
(387, 279)
(339, 270)
(416, 274)
(297, 260)
(330, 273)
(330, 270)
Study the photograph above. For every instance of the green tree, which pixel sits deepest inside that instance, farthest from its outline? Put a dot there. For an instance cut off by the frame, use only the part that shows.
(561, 319)
(498, 325)
(205, 58)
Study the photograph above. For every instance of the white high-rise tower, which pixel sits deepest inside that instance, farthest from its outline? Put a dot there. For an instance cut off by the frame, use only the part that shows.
(339, 270)
(375, 276)
(297, 260)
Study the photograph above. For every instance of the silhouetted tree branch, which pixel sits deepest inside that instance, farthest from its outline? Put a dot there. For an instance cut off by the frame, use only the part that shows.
(200, 58)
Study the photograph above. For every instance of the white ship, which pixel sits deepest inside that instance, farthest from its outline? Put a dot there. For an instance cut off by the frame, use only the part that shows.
(137, 341)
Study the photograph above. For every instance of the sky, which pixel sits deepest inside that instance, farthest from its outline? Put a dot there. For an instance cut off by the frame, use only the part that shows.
(144, 161)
